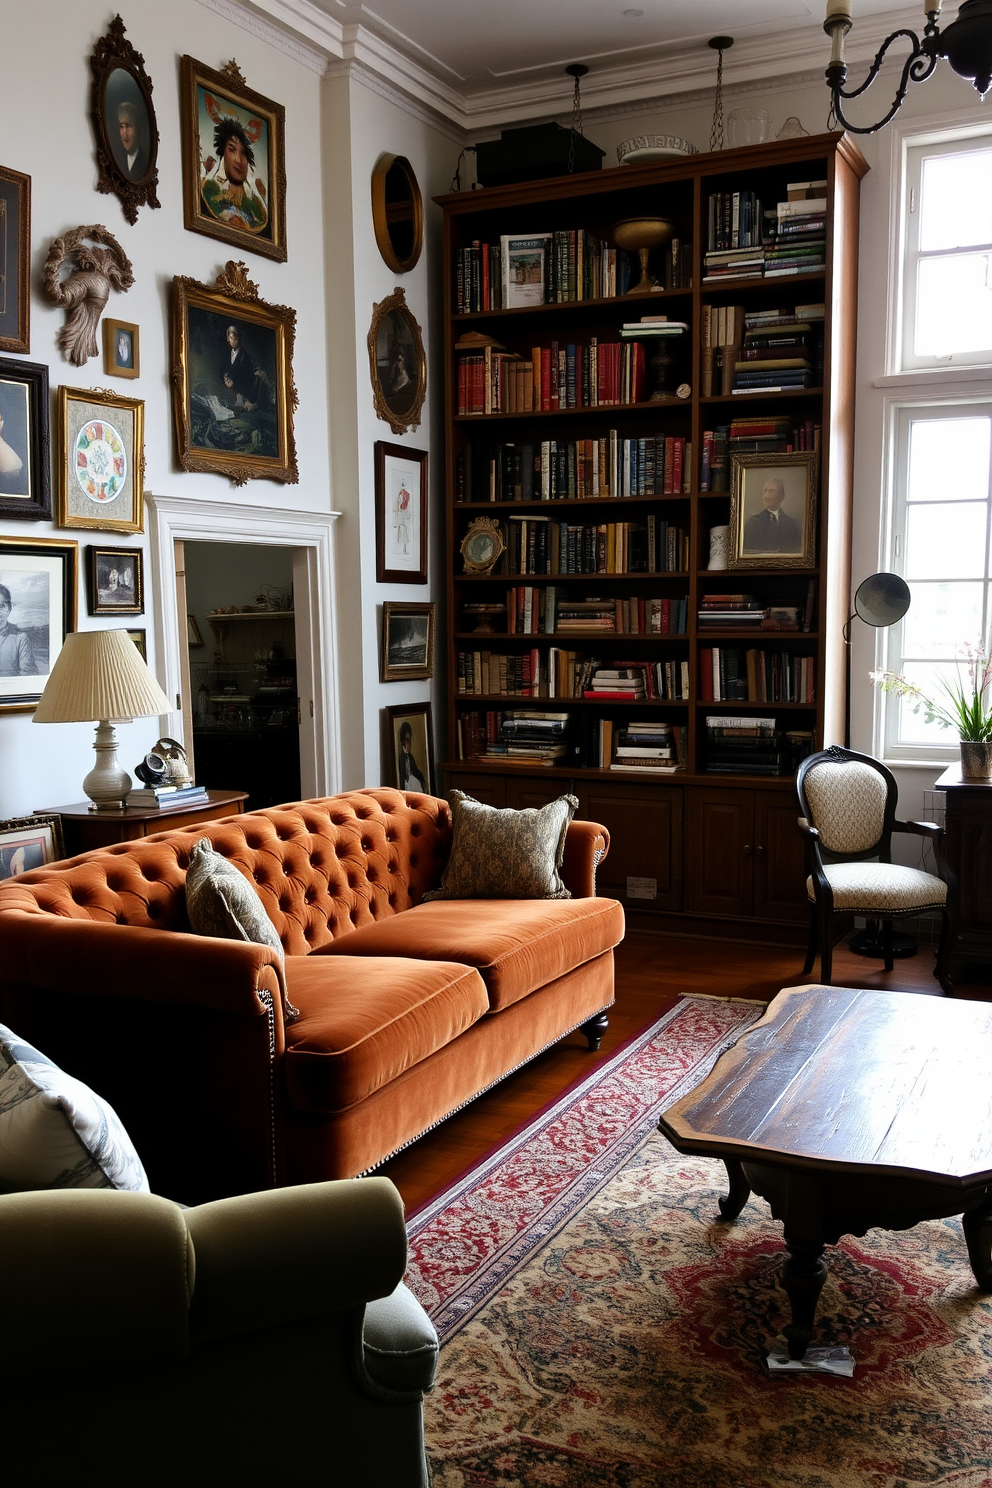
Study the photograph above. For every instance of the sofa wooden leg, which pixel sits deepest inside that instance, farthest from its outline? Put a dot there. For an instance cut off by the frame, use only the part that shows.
(595, 1029)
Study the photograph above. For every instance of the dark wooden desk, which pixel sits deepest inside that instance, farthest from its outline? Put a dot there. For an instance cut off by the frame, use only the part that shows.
(83, 829)
(850, 1110)
(968, 849)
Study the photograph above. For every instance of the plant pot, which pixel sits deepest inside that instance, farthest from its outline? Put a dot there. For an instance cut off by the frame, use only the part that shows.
(976, 759)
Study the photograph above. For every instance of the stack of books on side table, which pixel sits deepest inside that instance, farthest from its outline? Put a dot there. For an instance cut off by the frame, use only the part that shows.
(147, 796)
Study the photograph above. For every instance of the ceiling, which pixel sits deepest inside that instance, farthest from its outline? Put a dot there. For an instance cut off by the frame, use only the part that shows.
(478, 64)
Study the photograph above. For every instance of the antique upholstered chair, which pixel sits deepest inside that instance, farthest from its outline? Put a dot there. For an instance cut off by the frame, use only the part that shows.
(848, 803)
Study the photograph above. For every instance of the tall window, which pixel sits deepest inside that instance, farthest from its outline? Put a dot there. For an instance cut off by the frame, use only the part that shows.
(941, 442)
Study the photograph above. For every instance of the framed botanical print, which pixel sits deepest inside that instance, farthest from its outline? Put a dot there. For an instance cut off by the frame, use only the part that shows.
(124, 122)
(407, 641)
(233, 392)
(25, 490)
(410, 748)
(234, 160)
(114, 580)
(400, 514)
(121, 356)
(15, 265)
(37, 611)
(28, 842)
(773, 511)
(101, 461)
(397, 363)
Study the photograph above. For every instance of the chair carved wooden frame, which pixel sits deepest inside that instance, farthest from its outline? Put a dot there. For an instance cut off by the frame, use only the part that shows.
(848, 803)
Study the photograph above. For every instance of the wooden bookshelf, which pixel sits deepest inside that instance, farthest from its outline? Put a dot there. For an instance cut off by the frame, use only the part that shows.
(697, 851)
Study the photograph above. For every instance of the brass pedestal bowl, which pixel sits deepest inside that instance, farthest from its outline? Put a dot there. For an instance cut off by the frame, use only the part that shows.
(641, 235)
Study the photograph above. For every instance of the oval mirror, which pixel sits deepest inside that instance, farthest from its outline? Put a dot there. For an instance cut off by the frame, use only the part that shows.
(397, 212)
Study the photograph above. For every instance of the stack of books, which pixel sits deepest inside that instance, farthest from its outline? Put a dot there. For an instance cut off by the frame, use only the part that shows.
(645, 746)
(799, 244)
(530, 738)
(167, 795)
(766, 435)
(734, 263)
(619, 684)
(744, 746)
(729, 612)
(585, 614)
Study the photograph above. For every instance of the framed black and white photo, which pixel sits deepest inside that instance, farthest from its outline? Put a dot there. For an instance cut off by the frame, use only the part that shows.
(407, 641)
(120, 348)
(28, 842)
(38, 580)
(114, 580)
(410, 748)
(400, 514)
(773, 511)
(25, 453)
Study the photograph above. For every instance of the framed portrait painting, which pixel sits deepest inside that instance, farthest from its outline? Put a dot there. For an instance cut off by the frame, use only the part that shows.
(410, 748)
(407, 641)
(139, 639)
(28, 842)
(120, 348)
(233, 391)
(15, 249)
(101, 461)
(25, 490)
(234, 160)
(400, 514)
(37, 611)
(114, 580)
(124, 122)
(397, 363)
(773, 511)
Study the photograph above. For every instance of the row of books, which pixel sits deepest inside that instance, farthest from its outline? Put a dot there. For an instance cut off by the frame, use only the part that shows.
(574, 470)
(538, 545)
(734, 219)
(736, 342)
(731, 674)
(722, 611)
(744, 241)
(583, 741)
(600, 374)
(561, 673)
(739, 745)
(759, 436)
(640, 681)
(526, 269)
(540, 610)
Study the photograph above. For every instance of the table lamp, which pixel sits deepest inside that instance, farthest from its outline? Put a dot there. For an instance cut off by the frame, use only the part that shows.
(100, 676)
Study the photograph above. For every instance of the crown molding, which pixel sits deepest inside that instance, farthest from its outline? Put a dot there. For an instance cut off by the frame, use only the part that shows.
(297, 37)
(373, 80)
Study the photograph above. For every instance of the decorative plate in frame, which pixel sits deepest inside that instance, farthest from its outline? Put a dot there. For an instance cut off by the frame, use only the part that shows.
(101, 461)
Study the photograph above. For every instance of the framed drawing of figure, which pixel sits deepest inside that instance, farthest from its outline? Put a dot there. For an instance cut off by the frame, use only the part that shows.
(37, 611)
(773, 510)
(400, 514)
(124, 122)
(234, 160)
(15, 245)
(397, 363)
(25, 491)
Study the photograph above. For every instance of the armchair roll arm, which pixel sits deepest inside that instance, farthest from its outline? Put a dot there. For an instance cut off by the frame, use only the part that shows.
(586, 845)
(288, 1254)
(93, 1275)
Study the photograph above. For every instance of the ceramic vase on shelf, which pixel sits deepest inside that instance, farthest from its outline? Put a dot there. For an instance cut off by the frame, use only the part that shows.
(718, 547)
(976, 759)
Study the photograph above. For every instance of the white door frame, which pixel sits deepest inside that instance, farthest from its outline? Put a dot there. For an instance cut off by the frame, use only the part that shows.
(311, 534)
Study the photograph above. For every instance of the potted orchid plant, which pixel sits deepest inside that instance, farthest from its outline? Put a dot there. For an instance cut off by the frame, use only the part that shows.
(964, 705)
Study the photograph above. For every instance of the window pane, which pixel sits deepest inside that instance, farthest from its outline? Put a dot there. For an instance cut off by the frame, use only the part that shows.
(946, 541)
(949, 459)
(940, 618)
(911, 728)
(956, 200)
(953, 305)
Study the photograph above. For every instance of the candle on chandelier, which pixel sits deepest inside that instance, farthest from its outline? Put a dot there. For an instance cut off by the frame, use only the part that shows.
(839, 10)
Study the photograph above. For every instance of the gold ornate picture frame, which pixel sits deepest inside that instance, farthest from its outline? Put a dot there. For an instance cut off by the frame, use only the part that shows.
(773, 510)
(233, 394)
(101, 461)
(124, 122)
(397, 364)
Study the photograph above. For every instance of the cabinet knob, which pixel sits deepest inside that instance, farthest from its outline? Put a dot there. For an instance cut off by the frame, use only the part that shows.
(747, 849)
(758, 851)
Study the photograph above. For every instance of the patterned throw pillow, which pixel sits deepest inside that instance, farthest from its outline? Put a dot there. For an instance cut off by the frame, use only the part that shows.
(221, 902)
(54, 1131)
(498, 853)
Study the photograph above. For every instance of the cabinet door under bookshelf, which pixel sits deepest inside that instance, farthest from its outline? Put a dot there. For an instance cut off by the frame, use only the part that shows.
(592, 436)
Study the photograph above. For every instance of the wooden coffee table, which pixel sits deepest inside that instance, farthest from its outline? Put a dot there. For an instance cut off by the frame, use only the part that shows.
(849, 1110)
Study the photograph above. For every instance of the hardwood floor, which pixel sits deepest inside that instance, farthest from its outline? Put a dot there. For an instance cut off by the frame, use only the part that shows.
(652, 972)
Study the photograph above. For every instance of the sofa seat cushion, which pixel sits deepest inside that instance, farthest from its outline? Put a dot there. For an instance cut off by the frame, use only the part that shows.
(517, 944)
(365, 1019)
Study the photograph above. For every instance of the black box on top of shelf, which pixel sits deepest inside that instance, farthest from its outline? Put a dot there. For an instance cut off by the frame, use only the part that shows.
(532, 152)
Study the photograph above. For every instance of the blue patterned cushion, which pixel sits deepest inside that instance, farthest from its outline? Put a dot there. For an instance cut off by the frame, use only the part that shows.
(54, 1132)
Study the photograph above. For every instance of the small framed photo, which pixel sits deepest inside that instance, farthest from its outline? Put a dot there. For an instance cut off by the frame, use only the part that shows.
(15, 264)
(234, 160)
(410, 748)
(114, 580)
(407, 641)
(138, 637)
(400, 514)
(101, 461)
(25, 491)
(38, 578)
(524, 269)
(124, 122)
(120, 348)
(773, 510)
(28, 842)
(193, 636)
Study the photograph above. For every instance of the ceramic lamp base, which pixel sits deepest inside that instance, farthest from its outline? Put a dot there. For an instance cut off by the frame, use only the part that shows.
(107, 785)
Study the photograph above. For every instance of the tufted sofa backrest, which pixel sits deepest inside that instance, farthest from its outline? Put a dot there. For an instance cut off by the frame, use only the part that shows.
(322, 868)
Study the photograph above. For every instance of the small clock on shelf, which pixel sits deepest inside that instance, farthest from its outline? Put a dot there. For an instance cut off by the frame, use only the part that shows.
(482, 546)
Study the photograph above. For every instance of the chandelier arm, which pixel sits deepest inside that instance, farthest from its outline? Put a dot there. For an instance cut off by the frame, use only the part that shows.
(919, 65)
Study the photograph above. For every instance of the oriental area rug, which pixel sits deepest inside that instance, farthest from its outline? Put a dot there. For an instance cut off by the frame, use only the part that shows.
(601, 1326)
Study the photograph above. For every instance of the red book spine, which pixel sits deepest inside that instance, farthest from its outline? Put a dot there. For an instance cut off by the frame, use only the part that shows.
(706, 674)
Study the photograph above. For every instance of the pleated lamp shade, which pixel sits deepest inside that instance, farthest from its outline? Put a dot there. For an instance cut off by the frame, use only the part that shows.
(99, 674)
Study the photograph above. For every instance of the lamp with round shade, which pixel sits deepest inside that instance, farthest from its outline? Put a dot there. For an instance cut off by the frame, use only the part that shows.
(100, 677)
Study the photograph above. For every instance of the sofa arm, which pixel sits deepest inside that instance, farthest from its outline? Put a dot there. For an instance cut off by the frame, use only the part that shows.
(586, 845)
(289, 1254)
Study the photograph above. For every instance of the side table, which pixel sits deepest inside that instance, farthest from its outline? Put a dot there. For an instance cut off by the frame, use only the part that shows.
(83, 829)
(968, 849)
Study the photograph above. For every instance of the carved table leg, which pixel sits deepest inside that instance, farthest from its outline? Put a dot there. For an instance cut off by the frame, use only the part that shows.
(594, 1030)
(803, 1275)
(978, 1232)
(740, 1190)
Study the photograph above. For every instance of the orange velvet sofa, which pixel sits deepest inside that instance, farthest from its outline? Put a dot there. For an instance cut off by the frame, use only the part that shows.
(407, 1010)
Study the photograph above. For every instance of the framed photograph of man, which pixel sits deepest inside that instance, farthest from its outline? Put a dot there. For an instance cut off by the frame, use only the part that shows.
(410, 748)
(25, 453)
(38, 578)
(407, 641)
(28, 842)
(773, 510)
(120, 348)
(234, 160)
(397, 363)
(400, 514)
(124, 122)
(15, 264)
(114, 580)
(101, 461)
(233, 391)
